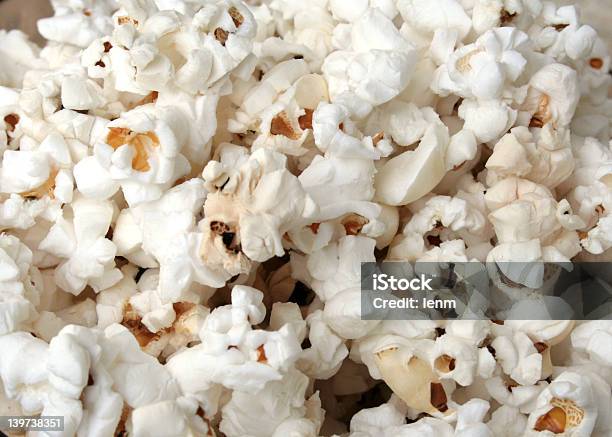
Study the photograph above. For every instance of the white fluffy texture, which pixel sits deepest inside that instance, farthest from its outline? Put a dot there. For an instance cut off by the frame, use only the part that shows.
(18, 56)
(377, 64)
(267, 412)
(163, 233)
(573, 387)
(80, 239)
(484, 69)
(170, 418)
(258, 201)
(18, 297)
(547, 160)
(154, 50)
(159, 159)
(229, 354)
(140, 153)
(412, 174)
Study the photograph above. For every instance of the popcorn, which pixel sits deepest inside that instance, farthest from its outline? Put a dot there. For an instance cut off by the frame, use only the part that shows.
(163, 233)
(330, 136)
(161, 49)
(167, 417)
(308, 25)
(279, 402)
(44, 172)
(552, 96)
(412, 174)
(140, 153)
(487, 120)
(443, 223)
(426, 17)
(507, 421)
(76, 23)
(188, 190)
(412, 379)
(89, 255)
(18, 56)
(591, 337)
(470, 416)
(327, 352)
(481, 70)
(19, 296)
(548, 162)
(565, 406)
(241, 207)
(364, 70)
(454, 359)
(231, 351)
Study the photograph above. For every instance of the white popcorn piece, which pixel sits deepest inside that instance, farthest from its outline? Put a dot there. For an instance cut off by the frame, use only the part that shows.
(442, 223)
(140, 153)
(76, 23)
(280, 108)
(453, 358)
(263, 413)
(250, 210)
(18, 56)
(335, 134)
(363, 71)
(520, 397)
(168, 418)
(18, 296)
(81, 240)
(231, 351)
(488, 120)
(412, 174)
(470, 418)
(412, 378)
(553, 96)
(507, 422)
(519, 358)
(484, 69)
(549, 161)
(593, 337)
(426, 16)
(163, 233)
(327, 352)
(566, 406)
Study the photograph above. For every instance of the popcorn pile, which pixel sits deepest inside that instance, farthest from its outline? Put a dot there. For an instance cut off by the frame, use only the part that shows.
(188, 188)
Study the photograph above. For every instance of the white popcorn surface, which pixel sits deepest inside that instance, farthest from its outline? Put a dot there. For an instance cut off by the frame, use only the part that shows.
(188, 189)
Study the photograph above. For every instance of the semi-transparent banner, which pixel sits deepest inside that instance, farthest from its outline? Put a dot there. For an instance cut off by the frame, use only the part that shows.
(493, 291)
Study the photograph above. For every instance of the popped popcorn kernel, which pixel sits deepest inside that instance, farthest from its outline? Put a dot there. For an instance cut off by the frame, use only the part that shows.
(140, 142)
